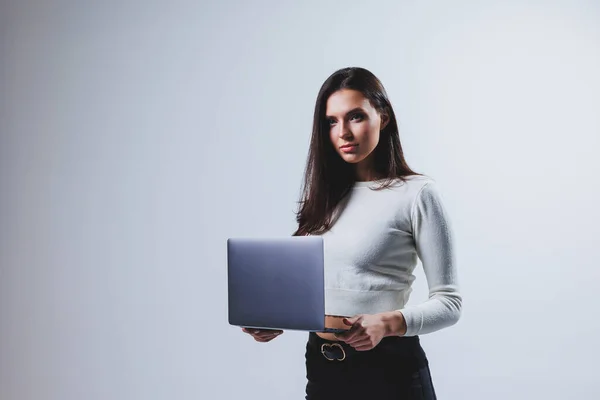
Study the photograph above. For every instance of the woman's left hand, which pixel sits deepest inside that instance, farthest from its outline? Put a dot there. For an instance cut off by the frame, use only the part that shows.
(366, 331)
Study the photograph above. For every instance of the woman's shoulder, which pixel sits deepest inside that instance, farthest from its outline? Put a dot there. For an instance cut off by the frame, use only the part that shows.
(413, 182)
(413, 188)
(422, 178)
(407, 187)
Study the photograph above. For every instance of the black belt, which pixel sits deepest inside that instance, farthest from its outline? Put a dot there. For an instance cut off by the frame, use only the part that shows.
(331, 349)
(340, 351)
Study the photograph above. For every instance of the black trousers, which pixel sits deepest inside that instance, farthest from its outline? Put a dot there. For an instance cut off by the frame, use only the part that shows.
(396, 369)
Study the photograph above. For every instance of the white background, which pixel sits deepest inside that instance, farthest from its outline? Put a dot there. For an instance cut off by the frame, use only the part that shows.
(137, 136)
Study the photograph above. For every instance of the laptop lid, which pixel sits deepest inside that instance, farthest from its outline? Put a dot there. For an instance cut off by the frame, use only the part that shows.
(276, 283)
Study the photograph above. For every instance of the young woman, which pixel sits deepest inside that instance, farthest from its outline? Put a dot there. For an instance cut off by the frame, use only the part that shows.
(377, 217)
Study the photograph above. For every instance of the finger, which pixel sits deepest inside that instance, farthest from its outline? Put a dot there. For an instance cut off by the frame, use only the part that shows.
(256, 331)
(360, 331)
(343, 336)
(348, 332)
(268, 333)
(264, 335)
(357, 339)
(263, 339)
(364, 341)
(353, 333)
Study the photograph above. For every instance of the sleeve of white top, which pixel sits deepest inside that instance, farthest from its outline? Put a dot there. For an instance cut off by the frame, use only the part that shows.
(434, 241)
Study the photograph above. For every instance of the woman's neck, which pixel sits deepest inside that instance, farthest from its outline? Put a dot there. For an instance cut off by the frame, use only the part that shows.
(363, 174)
(364, 171)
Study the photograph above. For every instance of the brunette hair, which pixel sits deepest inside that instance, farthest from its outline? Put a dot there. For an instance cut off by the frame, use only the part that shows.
(327, 177)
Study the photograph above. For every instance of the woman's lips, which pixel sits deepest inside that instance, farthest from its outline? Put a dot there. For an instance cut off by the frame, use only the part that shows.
(349, 149)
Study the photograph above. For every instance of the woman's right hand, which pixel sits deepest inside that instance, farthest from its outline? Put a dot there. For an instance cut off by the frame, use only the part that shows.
(262, 335)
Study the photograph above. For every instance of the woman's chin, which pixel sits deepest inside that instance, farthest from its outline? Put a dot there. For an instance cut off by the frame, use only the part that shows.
(351, 158)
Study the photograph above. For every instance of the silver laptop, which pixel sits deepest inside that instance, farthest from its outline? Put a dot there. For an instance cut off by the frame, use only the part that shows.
(277, 283)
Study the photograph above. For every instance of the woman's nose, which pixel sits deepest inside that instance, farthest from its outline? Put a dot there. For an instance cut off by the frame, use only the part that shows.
(343, 130)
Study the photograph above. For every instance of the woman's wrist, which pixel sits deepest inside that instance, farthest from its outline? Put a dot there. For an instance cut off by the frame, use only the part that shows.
(395, 324)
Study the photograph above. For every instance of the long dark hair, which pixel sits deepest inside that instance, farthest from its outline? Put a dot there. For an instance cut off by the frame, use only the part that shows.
(327, 177)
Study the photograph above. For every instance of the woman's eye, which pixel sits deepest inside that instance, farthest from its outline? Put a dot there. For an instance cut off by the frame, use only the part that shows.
(358, 117)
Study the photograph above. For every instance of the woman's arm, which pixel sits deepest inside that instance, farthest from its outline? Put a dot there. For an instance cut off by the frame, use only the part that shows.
(434, 242)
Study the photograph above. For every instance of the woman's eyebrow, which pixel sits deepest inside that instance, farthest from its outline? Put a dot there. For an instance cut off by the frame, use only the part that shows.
(349, 112)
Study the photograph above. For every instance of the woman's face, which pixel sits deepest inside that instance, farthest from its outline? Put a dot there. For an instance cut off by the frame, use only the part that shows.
(354, 127)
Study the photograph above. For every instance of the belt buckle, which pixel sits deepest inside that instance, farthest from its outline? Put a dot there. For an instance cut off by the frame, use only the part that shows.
(324, 345)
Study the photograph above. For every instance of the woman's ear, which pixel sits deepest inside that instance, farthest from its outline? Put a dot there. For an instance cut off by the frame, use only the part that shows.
(385, 119)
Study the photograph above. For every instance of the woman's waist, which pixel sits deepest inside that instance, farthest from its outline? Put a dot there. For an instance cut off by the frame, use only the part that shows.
(396, 347)
(336, 321)
(341, 302)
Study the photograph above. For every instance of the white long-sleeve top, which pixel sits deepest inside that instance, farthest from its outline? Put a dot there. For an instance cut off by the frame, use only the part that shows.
(373, 248)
